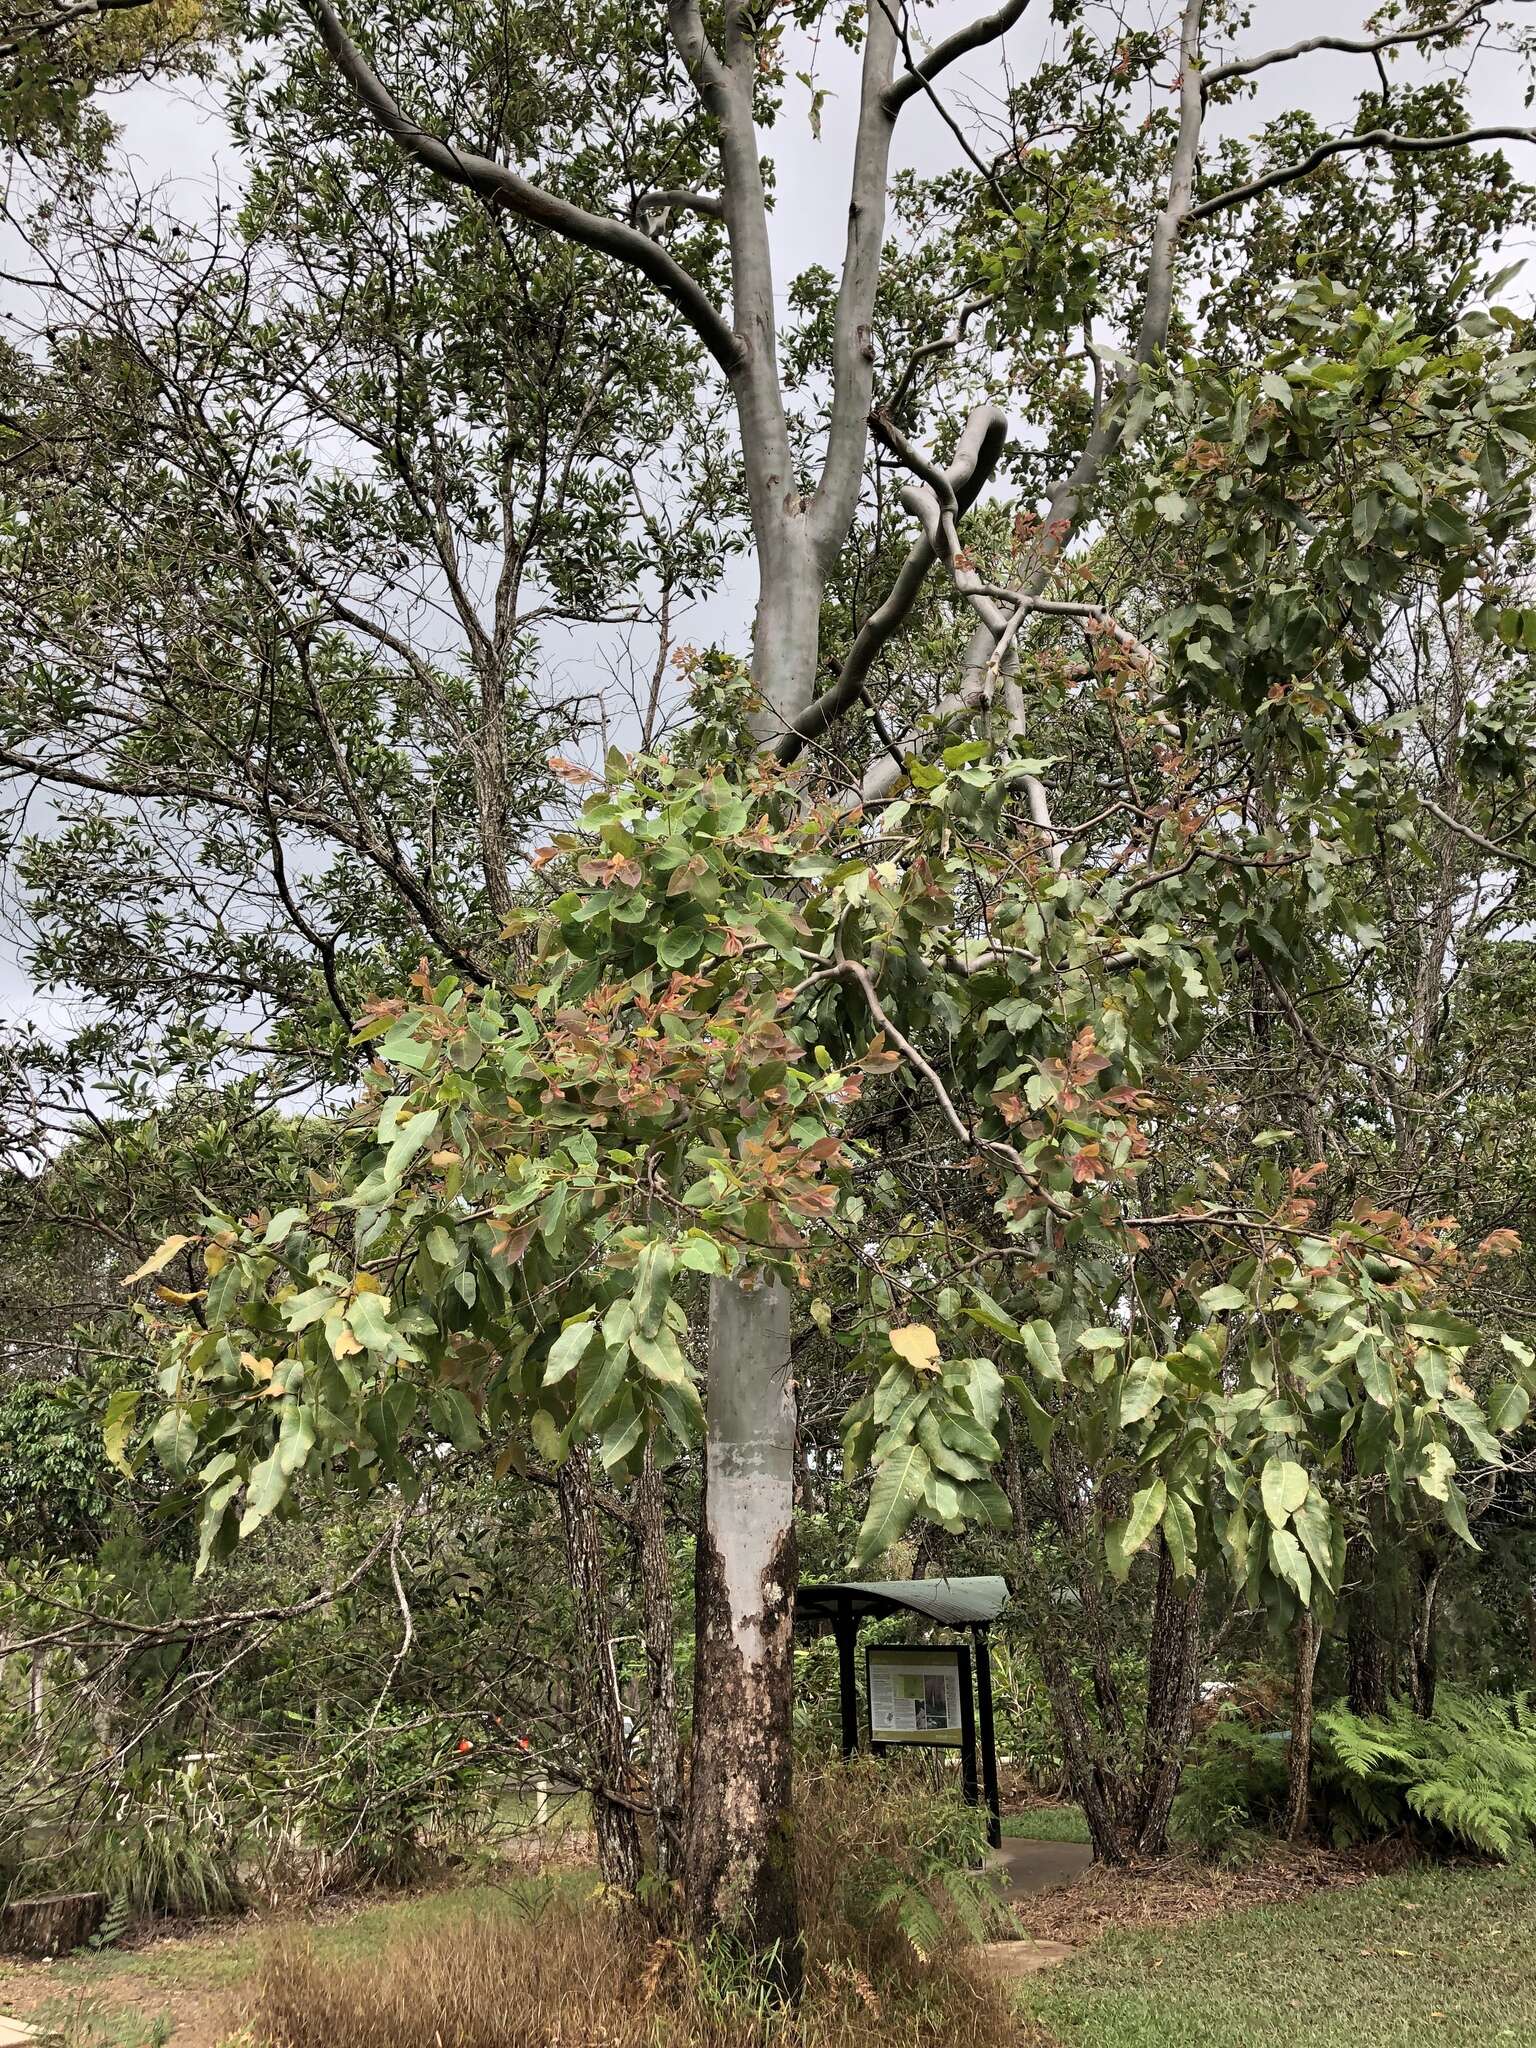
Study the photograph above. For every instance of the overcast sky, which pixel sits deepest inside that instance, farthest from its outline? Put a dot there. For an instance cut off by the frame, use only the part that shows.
(176, 135)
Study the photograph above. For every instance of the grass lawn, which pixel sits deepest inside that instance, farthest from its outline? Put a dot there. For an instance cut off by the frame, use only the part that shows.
(1427, 1959)
(1047, 1824)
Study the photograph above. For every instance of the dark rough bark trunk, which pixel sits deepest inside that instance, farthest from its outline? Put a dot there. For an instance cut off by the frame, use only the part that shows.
(1369, 1657)
(1368, 1688)
(660, 1669)
(1093, 1787)
(619, 1853)
(1093, 1784)
(740, 1850)
(1069, 1493)
(1298, 1800)
(1173, 1670)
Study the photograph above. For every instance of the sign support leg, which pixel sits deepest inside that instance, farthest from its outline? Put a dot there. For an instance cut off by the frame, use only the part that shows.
(988, 1738)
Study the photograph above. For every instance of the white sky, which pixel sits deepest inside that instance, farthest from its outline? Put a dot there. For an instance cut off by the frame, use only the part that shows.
(177, 135)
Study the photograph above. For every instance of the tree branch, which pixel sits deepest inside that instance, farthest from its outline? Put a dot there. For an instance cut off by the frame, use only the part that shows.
(1372, 138)
(974, 36)
(1158, 310)
(1349, 46)
(975, 458)
(502, 186)
(853, 346)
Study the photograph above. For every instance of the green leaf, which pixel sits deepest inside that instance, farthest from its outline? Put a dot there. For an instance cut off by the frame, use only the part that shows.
(368, 1320)
(701, 1255)
(1522, 1354)
(1039, 1421)
(1376, 1374)
(1290, 1561)
(1042, 1349)
(1226, 1296)
(653, 1285)
(1179, 1535)
(1508, 1406)
(441, 1247)
(1468, 1418)
(279, 1228)
(549, 1439)
(1439, 1326)
(986, 1312)
(174, 1439)
(411, 1137)
(1146, 1512)
(894, 1499)
(659, 1356)
(1100, 1339)
(1284, 1487)
(269, 1483)
(1314, 1525)
(1142, 1389)
(212, 1534)
(1434, 1472)
(600, 1381)
(568, 1350)
(453, 1418)
(1456, 1515)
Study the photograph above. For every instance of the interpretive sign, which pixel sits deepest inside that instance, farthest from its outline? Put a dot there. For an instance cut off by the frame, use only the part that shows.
(916, 1694)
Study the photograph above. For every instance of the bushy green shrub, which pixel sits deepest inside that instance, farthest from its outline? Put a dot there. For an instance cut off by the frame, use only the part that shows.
(1465, 1776)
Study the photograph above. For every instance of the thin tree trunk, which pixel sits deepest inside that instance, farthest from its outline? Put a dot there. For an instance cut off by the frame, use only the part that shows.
(661, 1674)
(1423, 1670)
(1298, 1801)
(619, 1853)
(740, 1854)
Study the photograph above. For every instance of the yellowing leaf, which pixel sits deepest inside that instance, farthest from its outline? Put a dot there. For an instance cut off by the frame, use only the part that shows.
(917, 1344)
(116, 1426)
(158, 1259)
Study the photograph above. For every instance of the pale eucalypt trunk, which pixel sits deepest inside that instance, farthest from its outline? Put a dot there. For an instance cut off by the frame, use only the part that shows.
(740, 1877)
(740, 1872)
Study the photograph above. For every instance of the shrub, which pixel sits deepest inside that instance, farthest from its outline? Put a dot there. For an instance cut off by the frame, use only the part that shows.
(1233, 1783)
(571, 1967)
(1465, 1776)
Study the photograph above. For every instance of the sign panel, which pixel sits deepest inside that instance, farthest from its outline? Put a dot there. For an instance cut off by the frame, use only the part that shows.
(914, 1694)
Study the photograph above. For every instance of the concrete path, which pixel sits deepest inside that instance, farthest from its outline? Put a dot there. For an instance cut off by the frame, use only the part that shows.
(1020, 1868)
(1025, 1866)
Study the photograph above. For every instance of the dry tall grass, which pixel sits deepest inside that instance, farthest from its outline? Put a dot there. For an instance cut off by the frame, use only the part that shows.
(568, 1968)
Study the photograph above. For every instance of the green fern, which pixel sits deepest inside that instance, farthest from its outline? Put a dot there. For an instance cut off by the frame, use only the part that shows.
(1468, 1772)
